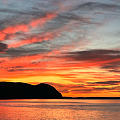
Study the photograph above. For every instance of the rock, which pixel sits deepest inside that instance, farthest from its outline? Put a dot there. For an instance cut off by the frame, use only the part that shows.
(12, 90)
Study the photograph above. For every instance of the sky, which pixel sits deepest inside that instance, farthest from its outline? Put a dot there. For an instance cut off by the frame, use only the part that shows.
(71, 45)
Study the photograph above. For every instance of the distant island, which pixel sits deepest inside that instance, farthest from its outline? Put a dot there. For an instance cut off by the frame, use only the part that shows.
(18, 90)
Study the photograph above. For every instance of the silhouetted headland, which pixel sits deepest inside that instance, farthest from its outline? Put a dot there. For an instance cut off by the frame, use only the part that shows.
(18, 90)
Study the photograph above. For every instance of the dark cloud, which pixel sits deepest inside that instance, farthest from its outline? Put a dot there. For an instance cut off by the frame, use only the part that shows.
(26, 50)
(105, 83)
(18, 69)
(3, 47)
(103, 88)
(95, 54)
(112, 67)
(15, 68)
(109, 59)
(110, 89)
(19, 17)
(18, 12)
(16, 52)
(98, 6)
(94, 89)
(82, 90)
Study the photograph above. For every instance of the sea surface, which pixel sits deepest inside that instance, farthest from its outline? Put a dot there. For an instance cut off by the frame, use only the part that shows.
(59, 109)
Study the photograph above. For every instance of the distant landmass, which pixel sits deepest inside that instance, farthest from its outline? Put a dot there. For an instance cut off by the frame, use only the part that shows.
(18, 90)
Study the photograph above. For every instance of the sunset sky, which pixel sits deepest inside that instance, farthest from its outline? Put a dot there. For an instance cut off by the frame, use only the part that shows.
(73, 45)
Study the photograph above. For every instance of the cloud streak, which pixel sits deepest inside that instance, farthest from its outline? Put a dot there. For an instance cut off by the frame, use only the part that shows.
(106, 59)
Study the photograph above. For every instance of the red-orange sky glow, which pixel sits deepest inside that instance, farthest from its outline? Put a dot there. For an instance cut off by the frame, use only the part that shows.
(67, 45)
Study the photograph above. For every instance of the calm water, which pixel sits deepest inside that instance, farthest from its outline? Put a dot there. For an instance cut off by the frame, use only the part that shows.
(66, 109)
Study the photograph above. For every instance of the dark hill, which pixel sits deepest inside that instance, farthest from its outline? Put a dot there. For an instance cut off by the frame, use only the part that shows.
(12, 90)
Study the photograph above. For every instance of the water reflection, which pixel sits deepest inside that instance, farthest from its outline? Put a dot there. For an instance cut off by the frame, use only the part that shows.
(59, 109)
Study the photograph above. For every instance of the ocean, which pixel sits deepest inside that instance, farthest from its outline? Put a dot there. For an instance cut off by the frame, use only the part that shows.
(59, 109)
